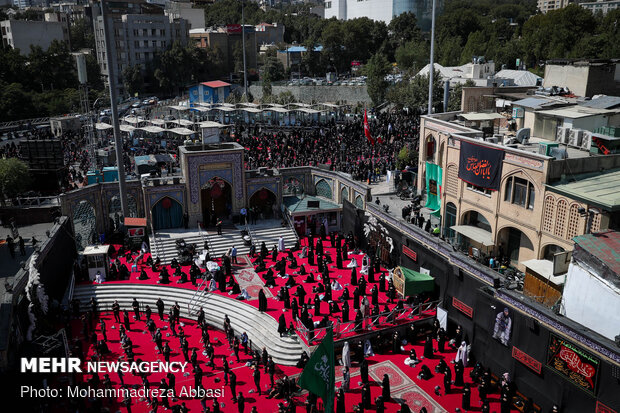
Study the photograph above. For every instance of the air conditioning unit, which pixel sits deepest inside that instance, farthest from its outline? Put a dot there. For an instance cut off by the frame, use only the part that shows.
(562, 135)
(586, 142)
(575, 137)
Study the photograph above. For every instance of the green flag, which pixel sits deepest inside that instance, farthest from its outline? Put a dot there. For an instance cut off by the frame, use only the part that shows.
(319, 375)
(433, 187)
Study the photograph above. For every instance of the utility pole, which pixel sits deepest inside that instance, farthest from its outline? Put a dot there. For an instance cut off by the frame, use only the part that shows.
(118, 142)
(245, 70)
(432, 71)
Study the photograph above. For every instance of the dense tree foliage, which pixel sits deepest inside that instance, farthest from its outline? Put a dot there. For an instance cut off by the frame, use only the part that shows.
(377, 69)
(14, 177)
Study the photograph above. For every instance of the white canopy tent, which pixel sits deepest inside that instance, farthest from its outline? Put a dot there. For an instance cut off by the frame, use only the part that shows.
(158, 122)
(182, 131)
(134, 120)
(103, 126)
(152, 129)
(127, 128)
(179, 107)
(182, 122)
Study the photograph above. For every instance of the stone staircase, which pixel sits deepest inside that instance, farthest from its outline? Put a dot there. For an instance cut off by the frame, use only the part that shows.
(261, 328)
(163, 245)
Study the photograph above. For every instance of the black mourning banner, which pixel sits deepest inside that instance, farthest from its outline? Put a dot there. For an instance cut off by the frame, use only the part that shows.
(480, 165)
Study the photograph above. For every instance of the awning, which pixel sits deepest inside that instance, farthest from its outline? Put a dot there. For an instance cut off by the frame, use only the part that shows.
(276, 109)
(544, 268)
(158, 122)
(102, 126)
(200, 108)
(182, 131)
(225, 109)
(182, 122)
(152, 129)
(308, 110)
(474, 233)
(127, 128)
(209, 124)
(481, 116)
(251, 110)
(178, 107)
(133, 119)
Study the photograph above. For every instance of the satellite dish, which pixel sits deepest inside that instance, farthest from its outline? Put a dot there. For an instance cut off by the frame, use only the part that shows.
(523, 135)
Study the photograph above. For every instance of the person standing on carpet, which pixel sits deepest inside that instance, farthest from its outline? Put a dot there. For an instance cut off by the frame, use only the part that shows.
(281, 325)
(281, 246)
(385, 384)
(346, 378)
(364, 370)
(232, 378)
(340, 403)
(240, 403)
(256, 376)
(136, 309)
(428, 347)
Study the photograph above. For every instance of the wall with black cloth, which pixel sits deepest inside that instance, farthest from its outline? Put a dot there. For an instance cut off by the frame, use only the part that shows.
(56, 260)
(353, 221)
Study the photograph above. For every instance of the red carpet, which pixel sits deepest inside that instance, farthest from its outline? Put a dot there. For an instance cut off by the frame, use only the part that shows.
(403, 379)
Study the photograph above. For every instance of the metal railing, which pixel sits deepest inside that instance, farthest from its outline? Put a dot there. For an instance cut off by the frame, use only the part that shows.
(205, 239)
(156, 246)
(199, 293)
(365, 324)
(32, 201)
(289, 222)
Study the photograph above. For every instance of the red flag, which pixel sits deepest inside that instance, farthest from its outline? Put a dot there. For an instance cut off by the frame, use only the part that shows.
(367, 129)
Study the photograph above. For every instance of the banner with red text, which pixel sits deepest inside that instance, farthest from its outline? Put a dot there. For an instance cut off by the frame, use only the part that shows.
(481, 165)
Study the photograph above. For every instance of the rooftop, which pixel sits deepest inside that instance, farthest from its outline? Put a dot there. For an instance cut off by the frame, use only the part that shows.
(605, 246)
(298, 205)
(600, 189)
(577, 112)
(215, 84)
(602, 102)
(520, 77)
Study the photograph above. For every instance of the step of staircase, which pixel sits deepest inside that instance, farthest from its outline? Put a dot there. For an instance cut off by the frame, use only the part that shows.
(261, 328)
(164, 244)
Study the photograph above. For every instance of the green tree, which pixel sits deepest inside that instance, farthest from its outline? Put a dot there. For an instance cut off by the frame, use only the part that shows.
(377, 69)
(404, 29)
(82, 35)
(476, 46)
(412, 93)
(14, 177)
(406, 157)
(133, 80)
(412, 55)
(456, 94)
(273, 70)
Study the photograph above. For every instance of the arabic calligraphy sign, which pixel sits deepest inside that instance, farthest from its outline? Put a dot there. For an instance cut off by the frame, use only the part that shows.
(573, 363)
(526, 359)
(480, 165)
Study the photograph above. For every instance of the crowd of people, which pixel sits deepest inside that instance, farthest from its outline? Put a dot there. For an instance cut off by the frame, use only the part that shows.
(341, 146)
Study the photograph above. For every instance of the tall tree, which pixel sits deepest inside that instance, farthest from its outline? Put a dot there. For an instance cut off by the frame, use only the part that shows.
(377, 69)
(14, 177)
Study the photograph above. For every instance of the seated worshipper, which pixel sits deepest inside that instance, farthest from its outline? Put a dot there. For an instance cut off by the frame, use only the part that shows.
(425, 373)
(301, 271)
(336, 285)
(164, 278)
(293, 264)
(352, 263)
(212, 284)
(99, 277)
(441, 367)
(365, 265)
(143, 275)
(235, 288)
(252, 252)
(345, 294)
(333, 307)
(319, 288)
(310, 278)
(174, 263)
(368, 349)
(261, 265)
(182, 275)
(274, 254)
(269, 280)
(303, 253)
(413, 360)
(290, 256)
(244, 295)
(291, 281)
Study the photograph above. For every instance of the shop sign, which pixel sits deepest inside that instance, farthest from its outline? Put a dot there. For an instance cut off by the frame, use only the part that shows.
(573, 363)
(462, 307)
(526, 359)
(410, 253)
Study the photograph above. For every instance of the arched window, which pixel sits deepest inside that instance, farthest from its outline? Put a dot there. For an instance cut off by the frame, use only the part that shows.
(520, 192)
(450, 220)
(573, 222)
(548, 217)
(550, 250)
(431, 147)
(323, 189)
(344, 194)
(560, 218)
(359, 202)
